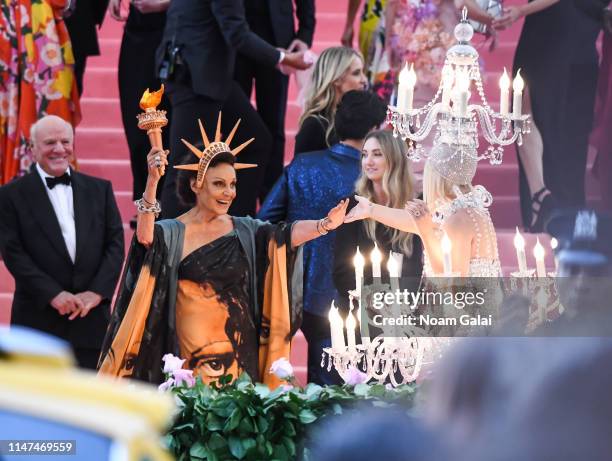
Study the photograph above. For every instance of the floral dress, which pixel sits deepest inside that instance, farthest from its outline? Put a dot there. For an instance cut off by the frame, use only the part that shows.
(420, 32)
(36, 76)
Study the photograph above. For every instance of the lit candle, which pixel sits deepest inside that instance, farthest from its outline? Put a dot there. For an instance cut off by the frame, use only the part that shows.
(350, 331)
(405, 91)
(393, 268)
(462, 90)
(446, 256)
(553, 245)
(448, 76)
(336, 329)
(517, 102)
(376, 258)
(504, 85)
(363, 322)
(538, 254)
(358, 262)
(519, 244)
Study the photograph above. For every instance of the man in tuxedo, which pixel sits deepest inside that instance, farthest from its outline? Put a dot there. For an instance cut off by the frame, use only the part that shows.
(272, 20)
(196, 60)
(61, 238)
(82, 24)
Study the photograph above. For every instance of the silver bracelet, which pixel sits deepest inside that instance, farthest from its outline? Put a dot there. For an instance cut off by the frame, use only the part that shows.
(142, 207)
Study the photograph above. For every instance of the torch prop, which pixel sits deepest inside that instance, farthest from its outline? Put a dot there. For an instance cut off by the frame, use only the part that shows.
(152, 120)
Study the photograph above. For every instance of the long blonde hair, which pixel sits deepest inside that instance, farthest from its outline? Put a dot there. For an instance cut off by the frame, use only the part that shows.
(438, 190)
(321, 93)
(397, 184)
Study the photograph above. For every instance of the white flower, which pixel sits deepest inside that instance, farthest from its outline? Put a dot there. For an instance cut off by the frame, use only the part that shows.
(163, 387)
(51, 54)
(282, 368)
(172, 363)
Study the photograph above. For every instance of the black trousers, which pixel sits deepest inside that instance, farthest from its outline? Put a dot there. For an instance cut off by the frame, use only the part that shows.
(317, 334)
(271, 88)
(187, 108)
(87, 358)
(136, 74)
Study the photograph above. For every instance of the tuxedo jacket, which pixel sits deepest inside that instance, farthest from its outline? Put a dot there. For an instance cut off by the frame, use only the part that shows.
(281, 20)
(209, 34)
(35, 253)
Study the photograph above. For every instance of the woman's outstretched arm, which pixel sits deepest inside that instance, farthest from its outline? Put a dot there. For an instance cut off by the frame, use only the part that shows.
(393, 217)
(145, 222)
(304, 231)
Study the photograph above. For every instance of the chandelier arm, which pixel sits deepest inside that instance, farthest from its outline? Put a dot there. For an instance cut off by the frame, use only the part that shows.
(489, 129)
(429, 122)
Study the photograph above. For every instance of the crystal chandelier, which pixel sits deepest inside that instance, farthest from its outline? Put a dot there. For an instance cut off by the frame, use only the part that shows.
(449, 110)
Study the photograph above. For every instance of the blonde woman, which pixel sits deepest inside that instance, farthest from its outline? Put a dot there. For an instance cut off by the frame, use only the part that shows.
(385, 179)
(337, 71)
(452, 206)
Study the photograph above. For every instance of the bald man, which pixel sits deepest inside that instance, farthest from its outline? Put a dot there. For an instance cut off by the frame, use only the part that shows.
(61, 238)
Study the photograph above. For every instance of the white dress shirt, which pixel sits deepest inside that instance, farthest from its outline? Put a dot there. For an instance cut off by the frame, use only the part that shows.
(63, 205)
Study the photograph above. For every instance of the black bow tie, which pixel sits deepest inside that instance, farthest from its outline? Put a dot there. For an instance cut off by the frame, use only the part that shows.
(63, 179)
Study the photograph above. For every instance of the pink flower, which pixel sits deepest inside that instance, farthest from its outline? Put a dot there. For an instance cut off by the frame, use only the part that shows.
(354, 376)
(286, 387)
(282, 369)
(172, 363)
(163, 387)
(183, 376)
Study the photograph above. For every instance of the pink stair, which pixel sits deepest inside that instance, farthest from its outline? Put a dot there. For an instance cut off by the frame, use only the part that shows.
(102, 149)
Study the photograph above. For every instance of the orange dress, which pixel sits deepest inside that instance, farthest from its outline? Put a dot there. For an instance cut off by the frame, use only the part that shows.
(36, 76)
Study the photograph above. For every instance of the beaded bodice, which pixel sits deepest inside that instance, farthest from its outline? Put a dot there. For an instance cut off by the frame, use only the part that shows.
(484, 259)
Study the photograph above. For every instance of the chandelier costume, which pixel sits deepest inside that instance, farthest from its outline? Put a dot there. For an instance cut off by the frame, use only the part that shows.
(225, 307)
(459, 168)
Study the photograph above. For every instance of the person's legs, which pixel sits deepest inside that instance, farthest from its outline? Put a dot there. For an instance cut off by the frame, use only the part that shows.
(237, 106)
(533, 190)
(137, 73)
(187, 108)
(317, 334)
(87, 358)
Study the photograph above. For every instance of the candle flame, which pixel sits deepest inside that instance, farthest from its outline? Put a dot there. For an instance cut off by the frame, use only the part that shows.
(358, 260)
(519, 241)
(333, 313)
(446, 244)
(376, 256)
(518, 84)
(408, 76)
(538, 250)
(504, 81)
(151, 100)
(554, 243)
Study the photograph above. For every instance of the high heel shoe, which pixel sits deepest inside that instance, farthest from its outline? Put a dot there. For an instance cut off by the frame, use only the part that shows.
(541, 213)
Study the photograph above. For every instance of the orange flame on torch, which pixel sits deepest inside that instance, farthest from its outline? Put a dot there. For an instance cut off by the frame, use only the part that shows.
(150, 101)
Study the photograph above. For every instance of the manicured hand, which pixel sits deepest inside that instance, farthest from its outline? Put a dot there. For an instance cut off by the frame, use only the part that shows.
(347, 36)
(157, 160)
(297, 45)
(114, 8)
(362, 210)
(336, 214)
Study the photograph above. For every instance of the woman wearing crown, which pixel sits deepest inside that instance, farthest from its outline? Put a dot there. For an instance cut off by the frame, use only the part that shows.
(452, 206)
(208, 287)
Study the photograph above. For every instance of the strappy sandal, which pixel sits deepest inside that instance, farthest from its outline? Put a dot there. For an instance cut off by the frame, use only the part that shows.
(541, 208)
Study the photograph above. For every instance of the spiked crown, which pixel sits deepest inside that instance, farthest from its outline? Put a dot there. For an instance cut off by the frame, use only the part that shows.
(212, 149)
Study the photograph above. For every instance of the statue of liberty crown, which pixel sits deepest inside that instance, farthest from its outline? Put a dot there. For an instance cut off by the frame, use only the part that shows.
(212, 149)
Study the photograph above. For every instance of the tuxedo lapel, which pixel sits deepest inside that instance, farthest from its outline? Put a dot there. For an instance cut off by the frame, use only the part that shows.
(41, 209)
(82, 213)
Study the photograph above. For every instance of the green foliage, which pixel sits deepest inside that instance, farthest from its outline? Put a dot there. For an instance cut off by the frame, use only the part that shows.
(243, 420)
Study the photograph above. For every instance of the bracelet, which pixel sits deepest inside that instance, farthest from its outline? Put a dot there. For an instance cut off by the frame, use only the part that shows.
(320, 228)
(142, 207)
(147, 202)
(324, 222)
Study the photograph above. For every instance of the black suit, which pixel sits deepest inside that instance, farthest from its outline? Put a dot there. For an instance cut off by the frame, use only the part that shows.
(273, 21)
(209, 34)
(35, 253)
(82, 27)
